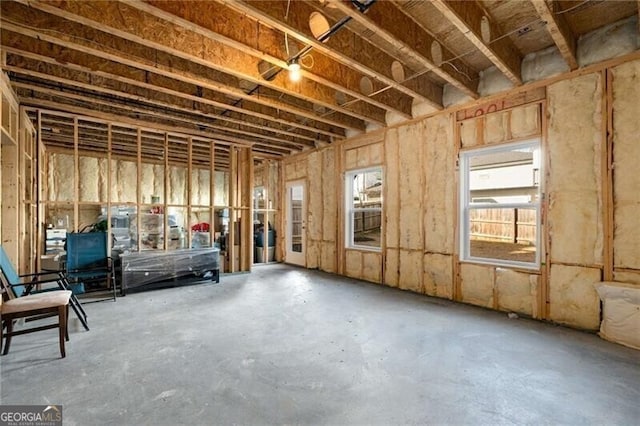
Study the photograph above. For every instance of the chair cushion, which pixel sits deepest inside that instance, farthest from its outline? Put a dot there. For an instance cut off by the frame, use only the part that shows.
(32, 302)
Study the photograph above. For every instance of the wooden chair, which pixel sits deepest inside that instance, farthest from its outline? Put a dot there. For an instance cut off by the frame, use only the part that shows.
(33, 307)
(27, 284)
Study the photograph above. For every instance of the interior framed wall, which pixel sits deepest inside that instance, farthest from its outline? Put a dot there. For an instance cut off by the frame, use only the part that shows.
(153, 189)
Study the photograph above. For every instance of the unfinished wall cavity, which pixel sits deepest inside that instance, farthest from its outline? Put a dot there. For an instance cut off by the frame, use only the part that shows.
(517, 123)
(152, 182)
(200, 187)
(221, 188)
(574, 185)
(574, 300)
(124, 175)
(626, 152)
(177, 185)
(439, 185)
(90, 179)
(60, 177)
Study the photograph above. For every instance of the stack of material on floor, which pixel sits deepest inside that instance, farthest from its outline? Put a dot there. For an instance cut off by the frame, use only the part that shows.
(621, 313)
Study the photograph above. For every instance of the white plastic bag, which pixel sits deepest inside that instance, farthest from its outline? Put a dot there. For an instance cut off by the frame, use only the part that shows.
(621, 313)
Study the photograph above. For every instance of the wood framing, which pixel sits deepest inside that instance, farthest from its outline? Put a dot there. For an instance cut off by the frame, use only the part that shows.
(558, 29)
(467, 17)
(403, 33)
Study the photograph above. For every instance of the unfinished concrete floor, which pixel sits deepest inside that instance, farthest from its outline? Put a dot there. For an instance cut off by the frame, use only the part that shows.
(291, 346)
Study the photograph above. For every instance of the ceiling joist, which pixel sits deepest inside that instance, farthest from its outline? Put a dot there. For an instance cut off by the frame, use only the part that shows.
(467, 16)
(124, 21)
(559, 30)
(293, 19)
(397, 29)
(220, 22)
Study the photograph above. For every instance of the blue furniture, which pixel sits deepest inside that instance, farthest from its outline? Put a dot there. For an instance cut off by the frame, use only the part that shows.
(27, 284)
(87, 263)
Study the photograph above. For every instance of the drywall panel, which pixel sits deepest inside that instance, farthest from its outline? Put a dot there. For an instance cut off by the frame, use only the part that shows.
(411, 271)
(439, 187)
(371, 266)
(410, 184)
(626, 156)
(330, 195)
(573, 297)
(391, 191)
(89, 179)
(391, 267)
(328, 257)
(477, 285)
(469, 132)
(60, 179)
(525, 121)
(574, 184)
(437, 278)
(353, 263)
(516, 291)
(496, 127)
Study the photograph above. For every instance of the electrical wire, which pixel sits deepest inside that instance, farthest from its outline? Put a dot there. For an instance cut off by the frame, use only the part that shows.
(571, 9)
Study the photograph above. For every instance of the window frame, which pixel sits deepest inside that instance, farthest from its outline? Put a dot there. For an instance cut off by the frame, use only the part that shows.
(466, 204)
(350, 208)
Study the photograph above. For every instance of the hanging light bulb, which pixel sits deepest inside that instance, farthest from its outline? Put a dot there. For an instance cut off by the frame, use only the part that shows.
(294, 71)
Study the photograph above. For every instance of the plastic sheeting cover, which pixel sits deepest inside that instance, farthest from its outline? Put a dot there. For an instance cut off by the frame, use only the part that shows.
(621, 313)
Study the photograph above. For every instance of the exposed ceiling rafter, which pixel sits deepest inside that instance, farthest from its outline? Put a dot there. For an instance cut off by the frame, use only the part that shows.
(558, 29)
(467, 17)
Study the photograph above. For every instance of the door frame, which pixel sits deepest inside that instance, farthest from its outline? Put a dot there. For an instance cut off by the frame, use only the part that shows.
(295, 258)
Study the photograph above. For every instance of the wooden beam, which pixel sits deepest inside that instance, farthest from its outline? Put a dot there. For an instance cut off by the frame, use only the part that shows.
(167, 122)
(363, 57)
(124, 21)
(467, 16)
(56, 105)
(558, 29)
(217, 21)
(404, 34)
(138, 110)
(168, 75)
(181, 104)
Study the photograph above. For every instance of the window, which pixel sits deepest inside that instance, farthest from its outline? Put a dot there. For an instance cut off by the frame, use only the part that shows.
(363, 207)
(500, 204)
